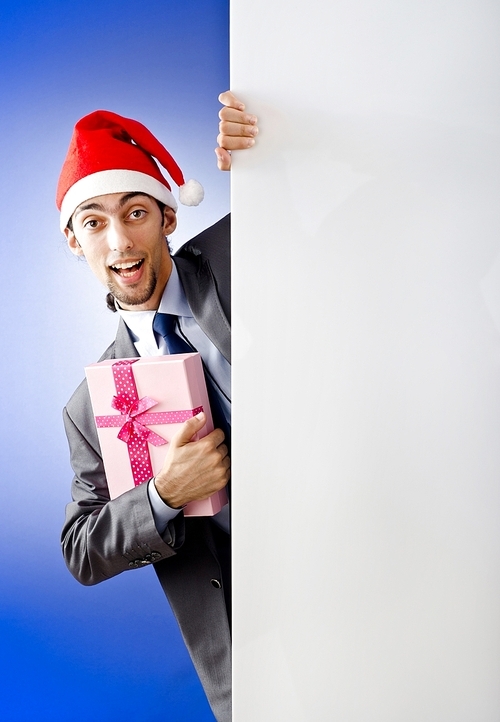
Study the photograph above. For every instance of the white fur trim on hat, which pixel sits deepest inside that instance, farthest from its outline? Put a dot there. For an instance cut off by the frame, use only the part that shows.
(112, 181)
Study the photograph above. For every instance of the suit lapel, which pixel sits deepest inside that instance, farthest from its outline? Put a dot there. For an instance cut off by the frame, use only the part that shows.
(201, 293)
(123, 346)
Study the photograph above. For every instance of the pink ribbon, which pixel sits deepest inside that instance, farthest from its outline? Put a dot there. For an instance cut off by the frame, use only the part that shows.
(133, 419)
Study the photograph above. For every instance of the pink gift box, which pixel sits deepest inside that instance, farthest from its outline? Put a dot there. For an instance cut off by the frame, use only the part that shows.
(139, 404)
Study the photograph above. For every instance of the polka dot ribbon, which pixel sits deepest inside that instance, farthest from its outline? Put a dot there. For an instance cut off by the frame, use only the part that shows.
(133, 420)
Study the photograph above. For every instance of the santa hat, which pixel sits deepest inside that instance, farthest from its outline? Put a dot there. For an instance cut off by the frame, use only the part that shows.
(112, 154)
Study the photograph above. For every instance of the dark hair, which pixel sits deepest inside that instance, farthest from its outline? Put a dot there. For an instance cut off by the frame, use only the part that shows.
(110, 302)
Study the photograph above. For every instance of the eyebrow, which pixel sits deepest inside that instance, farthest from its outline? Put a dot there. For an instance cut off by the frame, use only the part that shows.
(99, 207)
(89, 207)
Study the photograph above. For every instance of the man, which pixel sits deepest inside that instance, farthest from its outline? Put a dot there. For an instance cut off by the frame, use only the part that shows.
(116, 210)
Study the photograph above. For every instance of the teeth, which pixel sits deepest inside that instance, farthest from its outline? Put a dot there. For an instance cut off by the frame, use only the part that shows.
(123, 266)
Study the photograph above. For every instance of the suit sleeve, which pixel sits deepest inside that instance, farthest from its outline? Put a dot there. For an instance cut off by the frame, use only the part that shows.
(103, 537)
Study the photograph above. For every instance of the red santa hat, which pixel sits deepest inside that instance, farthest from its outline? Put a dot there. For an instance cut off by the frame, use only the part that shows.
(112, 154)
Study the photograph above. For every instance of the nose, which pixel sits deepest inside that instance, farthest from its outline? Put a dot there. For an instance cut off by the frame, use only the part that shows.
(118, 238)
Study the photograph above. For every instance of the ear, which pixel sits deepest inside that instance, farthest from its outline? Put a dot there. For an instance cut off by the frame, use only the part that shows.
(73, 243)
(169, 221)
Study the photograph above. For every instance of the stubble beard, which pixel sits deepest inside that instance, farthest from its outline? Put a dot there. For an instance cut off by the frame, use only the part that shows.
(134, 298)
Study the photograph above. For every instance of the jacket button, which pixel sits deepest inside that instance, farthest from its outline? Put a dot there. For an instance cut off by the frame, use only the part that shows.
(216, 583)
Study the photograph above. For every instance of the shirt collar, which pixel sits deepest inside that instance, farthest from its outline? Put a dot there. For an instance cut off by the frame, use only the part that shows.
(173, 301)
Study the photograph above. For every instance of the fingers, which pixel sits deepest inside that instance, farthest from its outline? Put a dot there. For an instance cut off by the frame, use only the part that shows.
(237, 116)
(188, 429)
(193, 469)
(223, 450)
(239, 142)
(228, 98)
(191, 427)
(237, 132)
(237, 129)
(229, 129)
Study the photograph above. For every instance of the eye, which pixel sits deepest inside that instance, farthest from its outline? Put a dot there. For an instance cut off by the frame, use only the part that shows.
(137, 213)
(91, 223)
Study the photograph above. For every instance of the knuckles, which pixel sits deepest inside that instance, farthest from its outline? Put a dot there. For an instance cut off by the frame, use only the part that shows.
(223, 450)
(197, 467)
(233, 130)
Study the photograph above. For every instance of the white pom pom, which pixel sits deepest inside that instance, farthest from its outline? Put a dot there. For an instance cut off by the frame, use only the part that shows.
(191, 193)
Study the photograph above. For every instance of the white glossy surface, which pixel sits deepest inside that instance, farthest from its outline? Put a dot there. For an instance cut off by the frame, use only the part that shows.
(367, 409)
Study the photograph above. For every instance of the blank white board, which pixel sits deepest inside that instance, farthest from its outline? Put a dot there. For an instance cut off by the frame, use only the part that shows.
(366, 397)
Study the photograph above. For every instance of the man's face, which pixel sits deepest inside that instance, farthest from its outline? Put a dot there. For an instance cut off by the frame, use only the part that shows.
(122, 237)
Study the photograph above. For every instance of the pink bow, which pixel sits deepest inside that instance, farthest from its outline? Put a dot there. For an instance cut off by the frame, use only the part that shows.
(132, 426)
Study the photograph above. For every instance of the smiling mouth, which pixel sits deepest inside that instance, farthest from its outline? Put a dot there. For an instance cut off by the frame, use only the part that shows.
(126, 270)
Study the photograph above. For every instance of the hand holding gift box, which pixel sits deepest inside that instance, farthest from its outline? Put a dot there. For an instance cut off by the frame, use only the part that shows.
(141, 406)
(200, 463)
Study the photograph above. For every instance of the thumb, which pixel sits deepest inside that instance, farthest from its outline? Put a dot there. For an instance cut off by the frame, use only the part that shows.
(223, 159)
(188, 429)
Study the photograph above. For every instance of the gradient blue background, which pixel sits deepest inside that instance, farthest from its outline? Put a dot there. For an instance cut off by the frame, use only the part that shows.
(110, 652)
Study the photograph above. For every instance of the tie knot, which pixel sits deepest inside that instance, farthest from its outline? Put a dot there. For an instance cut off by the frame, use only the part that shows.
(164, 324)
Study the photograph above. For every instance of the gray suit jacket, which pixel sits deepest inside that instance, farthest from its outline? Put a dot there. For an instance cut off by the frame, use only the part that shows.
(103, 537)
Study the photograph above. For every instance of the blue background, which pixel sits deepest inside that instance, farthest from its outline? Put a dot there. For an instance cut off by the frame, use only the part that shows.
(111, 652)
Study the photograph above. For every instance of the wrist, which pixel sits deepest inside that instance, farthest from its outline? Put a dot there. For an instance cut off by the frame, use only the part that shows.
(171, 500)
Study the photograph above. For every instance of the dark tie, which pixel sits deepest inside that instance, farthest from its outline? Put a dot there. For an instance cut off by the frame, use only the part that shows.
(165, 324)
